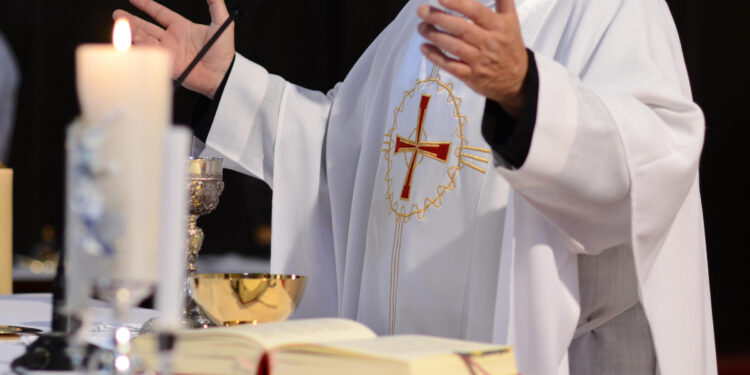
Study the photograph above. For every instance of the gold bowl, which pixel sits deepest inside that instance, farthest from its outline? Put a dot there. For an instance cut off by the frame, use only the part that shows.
(241, 298)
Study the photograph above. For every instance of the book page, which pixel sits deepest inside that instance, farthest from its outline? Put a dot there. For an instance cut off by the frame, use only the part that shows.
(410, 347)
(238, 349)
(272, 335)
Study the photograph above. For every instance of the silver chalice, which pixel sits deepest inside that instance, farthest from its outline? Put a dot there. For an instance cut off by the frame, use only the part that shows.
(205, 185)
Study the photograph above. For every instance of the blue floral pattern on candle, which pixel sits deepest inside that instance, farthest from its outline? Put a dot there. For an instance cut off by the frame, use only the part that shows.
(100, 226)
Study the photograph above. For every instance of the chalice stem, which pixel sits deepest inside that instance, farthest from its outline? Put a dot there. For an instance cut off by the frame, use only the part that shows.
(195, 242)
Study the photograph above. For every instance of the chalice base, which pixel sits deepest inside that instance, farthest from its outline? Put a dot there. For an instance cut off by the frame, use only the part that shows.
(194, 317)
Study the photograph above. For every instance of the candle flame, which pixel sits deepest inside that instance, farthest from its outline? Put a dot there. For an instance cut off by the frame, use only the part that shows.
(121, 36)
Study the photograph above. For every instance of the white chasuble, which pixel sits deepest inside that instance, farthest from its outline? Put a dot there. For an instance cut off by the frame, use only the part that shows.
(387, 197)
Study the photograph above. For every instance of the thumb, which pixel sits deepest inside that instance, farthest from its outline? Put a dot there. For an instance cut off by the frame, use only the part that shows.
(505, 6)
(218, 10)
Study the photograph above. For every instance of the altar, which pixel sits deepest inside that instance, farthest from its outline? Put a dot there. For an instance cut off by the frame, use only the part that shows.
(35, 310)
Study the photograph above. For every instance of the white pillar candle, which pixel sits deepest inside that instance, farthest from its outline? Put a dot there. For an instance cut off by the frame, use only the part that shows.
(134, 86)
(79, 266)
(169, 300)
(6, 231)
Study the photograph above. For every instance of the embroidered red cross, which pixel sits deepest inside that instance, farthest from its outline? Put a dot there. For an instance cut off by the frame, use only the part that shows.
(435, 150)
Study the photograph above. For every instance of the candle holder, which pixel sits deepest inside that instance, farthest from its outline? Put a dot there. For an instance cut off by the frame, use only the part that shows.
(205, 185)
(103, 243)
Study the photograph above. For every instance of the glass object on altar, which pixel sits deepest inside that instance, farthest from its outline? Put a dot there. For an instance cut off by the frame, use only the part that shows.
(233, 299)
(205, 185)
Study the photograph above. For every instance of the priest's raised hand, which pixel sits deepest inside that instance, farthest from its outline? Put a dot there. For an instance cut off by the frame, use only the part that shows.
(184, 39)
(490, 53)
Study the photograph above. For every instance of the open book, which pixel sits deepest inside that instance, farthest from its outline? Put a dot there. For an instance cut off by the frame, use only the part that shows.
(324, 346)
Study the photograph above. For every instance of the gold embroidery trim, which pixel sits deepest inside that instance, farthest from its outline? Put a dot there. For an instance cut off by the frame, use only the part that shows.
(395, 272)
(452, 172)
(402, 216)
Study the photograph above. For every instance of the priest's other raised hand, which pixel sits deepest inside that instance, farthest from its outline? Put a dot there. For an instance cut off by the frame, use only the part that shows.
(184, 39)
(491, 54)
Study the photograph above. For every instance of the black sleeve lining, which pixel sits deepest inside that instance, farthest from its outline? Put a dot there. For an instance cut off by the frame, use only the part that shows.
(508, 137)
(205, 109)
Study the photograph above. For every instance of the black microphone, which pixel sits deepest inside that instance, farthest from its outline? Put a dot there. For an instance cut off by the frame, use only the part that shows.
(59, 317)
(238, 8)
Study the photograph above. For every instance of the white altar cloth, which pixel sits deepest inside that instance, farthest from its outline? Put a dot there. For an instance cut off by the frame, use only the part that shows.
(34, 311)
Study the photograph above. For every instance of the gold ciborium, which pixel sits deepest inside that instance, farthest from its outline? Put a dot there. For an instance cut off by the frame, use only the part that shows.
(232, 299)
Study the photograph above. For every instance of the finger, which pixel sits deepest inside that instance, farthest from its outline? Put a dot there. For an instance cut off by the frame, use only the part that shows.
(424, 10)
(473, 10)
(447, 42)
(505, 6)
(137, 23)
(454, 67)
(160, 13)
(218, 10)
(457, 26)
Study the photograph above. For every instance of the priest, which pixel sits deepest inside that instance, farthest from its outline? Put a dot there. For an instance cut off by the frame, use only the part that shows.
(9, 80)
(522, 173)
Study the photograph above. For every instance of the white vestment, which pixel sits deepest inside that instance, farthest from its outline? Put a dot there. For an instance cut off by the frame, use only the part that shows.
(8, 86)
(448, 243)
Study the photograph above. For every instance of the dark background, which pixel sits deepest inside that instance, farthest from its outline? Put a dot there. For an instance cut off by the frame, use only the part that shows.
(314, 43)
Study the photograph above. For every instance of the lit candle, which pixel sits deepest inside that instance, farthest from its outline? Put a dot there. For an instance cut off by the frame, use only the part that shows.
(128, 93)
(6, 230)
